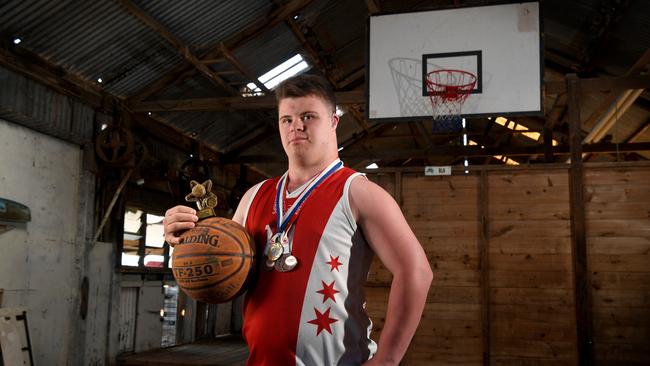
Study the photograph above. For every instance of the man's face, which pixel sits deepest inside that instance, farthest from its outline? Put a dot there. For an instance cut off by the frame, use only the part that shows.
(307, 127)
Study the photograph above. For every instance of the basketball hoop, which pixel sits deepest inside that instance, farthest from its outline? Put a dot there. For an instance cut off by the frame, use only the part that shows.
(448, 90)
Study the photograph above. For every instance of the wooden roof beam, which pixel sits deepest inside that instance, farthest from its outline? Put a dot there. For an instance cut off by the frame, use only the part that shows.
(468, 151)
(358, 117)
(639, 132)
(230, 103)
(258, 27)
(612, 108)
(182, 49)
(312, 53)
(612, 115)
(243, 69)
(61, 80)
(24, 61)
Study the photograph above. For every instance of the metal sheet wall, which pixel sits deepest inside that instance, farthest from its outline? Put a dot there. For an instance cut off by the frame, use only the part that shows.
(33, 105)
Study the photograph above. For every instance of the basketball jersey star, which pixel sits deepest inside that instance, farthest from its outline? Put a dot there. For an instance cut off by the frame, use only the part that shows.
(328, 291)
(322, 321)
(334, 263)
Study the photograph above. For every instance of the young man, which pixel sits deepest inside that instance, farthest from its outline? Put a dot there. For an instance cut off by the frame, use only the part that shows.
(316, 229)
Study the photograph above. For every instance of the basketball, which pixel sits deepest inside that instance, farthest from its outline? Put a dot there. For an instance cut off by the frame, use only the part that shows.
(213, 261)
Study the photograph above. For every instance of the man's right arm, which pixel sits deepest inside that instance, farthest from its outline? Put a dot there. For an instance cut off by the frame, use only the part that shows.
(244, 203)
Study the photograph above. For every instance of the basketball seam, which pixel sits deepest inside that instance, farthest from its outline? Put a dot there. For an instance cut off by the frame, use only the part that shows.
(241, 265)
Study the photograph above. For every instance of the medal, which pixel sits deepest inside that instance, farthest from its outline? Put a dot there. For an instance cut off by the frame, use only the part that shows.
(275, 248)
(275, 251)
(286, 263)
(278, 250)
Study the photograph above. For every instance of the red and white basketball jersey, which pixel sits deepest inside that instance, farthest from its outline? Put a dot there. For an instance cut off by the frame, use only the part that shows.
(314, 314)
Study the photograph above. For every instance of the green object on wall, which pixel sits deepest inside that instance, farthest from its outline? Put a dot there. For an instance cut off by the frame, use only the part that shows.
(13, 214)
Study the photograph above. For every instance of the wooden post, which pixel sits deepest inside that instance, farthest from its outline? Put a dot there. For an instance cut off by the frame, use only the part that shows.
(578, 231)
(483, 213)
(548, 144)
(180, 317)
(201, 320)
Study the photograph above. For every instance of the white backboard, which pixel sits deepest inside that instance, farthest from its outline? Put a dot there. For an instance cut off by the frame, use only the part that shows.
(500, 44)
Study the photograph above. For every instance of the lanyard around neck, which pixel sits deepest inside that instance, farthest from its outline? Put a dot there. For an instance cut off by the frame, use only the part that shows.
(283, 218)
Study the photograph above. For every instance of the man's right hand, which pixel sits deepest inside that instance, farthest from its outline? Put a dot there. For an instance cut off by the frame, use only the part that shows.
(177, 219)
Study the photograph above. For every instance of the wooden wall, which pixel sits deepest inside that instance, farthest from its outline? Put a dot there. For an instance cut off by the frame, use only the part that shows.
(532, 316)
(618, 249)
(511, 229)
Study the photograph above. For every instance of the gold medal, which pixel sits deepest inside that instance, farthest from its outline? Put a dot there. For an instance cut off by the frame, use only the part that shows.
(275, 251)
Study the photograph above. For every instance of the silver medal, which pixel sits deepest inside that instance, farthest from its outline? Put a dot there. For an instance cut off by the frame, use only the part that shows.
(286, 263)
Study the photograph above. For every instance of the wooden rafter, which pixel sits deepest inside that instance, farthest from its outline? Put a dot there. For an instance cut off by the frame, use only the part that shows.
(354, 77)
(612, 115)
(229, 103)
(61, 80)
(362, 137)
(181, 48)
(557, 112)
(469, 151)
(258, 27)
(312, 53)
(645, 127)
(242, 69)
(58, 78)
(184, 51)
(601, 84)
(358, 117)
(612, 108)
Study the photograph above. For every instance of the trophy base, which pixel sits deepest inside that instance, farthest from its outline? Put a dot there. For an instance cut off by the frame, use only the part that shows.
(205, 213)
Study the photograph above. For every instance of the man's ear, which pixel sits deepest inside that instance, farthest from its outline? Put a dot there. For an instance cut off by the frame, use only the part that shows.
(335, 120)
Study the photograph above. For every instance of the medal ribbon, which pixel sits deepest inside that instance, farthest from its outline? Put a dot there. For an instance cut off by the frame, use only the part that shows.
(283, 219)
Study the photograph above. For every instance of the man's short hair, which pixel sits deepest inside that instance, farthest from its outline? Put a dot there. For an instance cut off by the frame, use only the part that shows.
(304, 85)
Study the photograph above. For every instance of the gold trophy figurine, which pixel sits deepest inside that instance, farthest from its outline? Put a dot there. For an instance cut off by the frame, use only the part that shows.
(205, 200)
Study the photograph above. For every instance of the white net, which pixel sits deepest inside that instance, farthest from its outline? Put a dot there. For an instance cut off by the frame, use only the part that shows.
(448, 90)
(407, 79)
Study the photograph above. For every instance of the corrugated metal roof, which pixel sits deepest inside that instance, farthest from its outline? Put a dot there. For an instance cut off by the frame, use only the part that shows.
(218, 129)
(102, 39)
(269, 49)
(33, 105)
(204, 23)
(92, 39)
(192, 87)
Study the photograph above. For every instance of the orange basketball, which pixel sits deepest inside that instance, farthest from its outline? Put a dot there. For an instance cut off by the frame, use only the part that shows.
(213, 261)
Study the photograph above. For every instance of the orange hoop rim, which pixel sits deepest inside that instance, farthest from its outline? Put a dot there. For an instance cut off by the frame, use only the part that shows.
(437, 88)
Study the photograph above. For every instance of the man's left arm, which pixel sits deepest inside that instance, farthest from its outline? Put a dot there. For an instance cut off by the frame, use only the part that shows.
(389, 235)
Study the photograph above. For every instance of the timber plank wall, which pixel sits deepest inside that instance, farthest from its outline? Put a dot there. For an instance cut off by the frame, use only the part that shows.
(526, 315)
